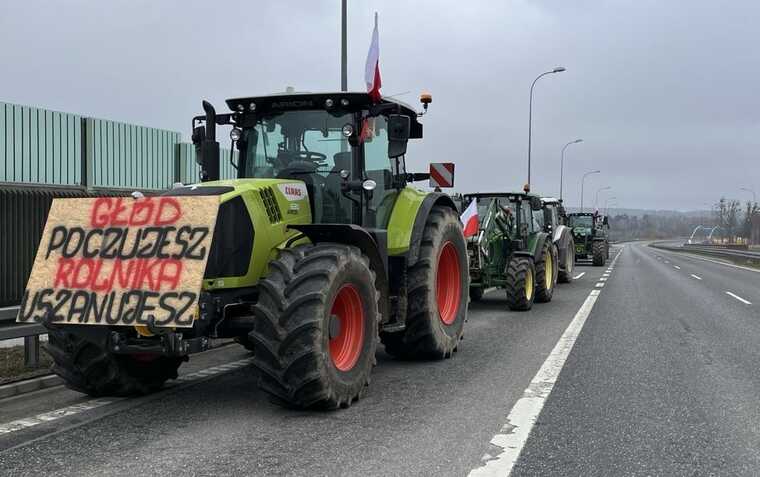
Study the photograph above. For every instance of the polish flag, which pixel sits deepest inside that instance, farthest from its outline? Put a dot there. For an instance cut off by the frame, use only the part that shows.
(372, 68)
(470, 219)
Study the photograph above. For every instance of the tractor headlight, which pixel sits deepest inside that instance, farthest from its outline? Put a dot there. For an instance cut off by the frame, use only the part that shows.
(236, 134)
(348, 130)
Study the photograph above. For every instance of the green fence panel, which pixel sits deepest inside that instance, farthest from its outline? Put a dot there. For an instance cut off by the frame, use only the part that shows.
(130, 156)
(39, 145)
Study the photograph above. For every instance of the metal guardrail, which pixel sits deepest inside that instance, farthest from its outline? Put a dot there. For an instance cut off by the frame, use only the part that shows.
(31, 333)
(713, 250)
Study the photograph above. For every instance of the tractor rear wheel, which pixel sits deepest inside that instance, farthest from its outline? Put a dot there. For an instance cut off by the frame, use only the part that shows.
(521, 283)
(315, 332)
(90, 369)
(597, 249)
(566, 275)
(438, 281)
(546, 277)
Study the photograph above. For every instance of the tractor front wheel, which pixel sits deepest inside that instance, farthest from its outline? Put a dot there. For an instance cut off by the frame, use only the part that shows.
(315, 332)
(90, 369)
(521, 284)
(546, 275)
(438, 281)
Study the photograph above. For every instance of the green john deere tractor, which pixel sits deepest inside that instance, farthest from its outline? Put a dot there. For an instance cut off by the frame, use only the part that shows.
(511, 250)
(321, 250)
(591, 232)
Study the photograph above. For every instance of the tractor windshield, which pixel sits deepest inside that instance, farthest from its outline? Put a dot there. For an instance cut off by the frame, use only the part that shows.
(581, 221)
(297, 143)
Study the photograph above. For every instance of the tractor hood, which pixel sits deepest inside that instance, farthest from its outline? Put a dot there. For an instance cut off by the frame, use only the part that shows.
(253, 220)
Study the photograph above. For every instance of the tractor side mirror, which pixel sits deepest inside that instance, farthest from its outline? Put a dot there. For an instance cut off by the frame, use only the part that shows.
(399, 128)
(605, 221)
(535, 203)
(199, 135)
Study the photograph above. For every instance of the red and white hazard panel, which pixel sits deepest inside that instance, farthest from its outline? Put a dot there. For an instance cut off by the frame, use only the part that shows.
(442, 174)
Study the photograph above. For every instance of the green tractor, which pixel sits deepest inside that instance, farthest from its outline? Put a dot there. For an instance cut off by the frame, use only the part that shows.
(511, 250)
(321, 251)
(555, 220)
(591, 232)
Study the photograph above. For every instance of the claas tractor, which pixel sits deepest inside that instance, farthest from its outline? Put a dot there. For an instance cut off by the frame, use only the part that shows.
(555, 224)
(591, 236)
(321, 250)
(511, 250)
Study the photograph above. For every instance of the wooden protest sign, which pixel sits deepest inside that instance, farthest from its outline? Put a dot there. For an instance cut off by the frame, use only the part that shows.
(119, 261)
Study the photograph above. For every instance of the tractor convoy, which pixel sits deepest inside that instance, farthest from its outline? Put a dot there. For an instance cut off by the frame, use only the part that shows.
(322, 250)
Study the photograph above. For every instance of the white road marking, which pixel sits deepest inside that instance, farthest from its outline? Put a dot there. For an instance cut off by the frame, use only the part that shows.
(698, 278)
(606, 274)
(600, 285)
(603, 279)
(579, 275)
(514, 433)
(739, 298)
(676, 267)
(27, 422)
(666, 261)
(688, 256)
(19, 424)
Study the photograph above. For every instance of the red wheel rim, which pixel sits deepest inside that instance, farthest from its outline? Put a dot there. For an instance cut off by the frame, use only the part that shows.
(346, 347)
(448, 284)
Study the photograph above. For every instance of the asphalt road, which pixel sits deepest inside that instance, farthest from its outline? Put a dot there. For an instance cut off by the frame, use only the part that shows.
(660, 381)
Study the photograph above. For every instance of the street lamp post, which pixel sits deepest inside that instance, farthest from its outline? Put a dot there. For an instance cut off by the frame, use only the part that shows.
(562, 164)
(607, 204)
(583, 181)
(754, 196)
(596, 198)
(343, 46)
(558, 69)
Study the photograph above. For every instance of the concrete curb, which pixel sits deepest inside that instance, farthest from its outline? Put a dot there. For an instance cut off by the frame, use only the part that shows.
(29, 385)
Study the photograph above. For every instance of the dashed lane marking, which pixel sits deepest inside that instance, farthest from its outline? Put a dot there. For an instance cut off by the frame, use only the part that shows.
(698, 278)
(676, 267)
(746, 302)
(600, 285)
(506, 446)
(27, 422)
(579, 275)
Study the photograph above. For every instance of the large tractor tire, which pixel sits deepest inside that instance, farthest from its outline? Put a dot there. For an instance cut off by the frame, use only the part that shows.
(438, 281)
(315, 332)
(546, 273)
(521, 284)
(565, 274)
(476, 293)
(89, 369)
(597, 249)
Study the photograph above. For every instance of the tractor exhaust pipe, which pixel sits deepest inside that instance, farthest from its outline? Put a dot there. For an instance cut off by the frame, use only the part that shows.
(209, 150)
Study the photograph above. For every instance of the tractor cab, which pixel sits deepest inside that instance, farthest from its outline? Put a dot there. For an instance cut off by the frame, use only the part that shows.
(515, 214)
(348, 151)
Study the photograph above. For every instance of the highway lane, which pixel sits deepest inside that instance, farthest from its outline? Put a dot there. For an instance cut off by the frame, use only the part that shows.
(419, 418)
(663, 380)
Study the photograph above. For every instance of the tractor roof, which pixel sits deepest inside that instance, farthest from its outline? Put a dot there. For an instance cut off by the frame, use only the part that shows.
(589, 214)
(299, 101)
(550, 200)
(510, 195)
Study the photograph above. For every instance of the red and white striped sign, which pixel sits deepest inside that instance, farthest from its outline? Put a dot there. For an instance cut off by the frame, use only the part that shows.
(442, 174)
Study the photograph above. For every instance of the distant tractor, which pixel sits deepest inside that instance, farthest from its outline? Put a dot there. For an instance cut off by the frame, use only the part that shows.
(321, 250)
(555, 224)
(511, 250)
(591, 232)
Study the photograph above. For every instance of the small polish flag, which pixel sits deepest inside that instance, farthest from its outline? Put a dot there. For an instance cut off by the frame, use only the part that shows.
(470, 219)
(372, 68)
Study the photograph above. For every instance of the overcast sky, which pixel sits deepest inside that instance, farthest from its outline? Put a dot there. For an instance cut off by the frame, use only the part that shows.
(664, 93)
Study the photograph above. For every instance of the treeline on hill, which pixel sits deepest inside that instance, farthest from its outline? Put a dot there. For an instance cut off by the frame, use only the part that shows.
(733, 219)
